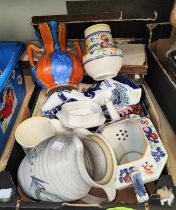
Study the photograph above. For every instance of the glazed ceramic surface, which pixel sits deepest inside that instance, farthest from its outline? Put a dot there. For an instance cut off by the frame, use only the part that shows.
(35, 130)
(136, 145)
(141, 193)
(98, 36)
(100, 53)
(84, 114)
(103, 67)
(102, 59)
(81, 165)
(57, 66)
(121, 90)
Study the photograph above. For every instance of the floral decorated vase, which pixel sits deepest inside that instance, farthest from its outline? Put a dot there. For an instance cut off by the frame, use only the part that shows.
(56, 66)
(66, 167)
(102, 59)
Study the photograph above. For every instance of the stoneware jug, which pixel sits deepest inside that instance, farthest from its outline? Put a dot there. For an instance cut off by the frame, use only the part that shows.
(57, 66)
(66, 167)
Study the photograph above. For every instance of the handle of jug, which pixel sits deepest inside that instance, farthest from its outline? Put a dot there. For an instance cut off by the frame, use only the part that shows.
(62, 36)
(111, 194)
(77, 46)
(110, 191)
(30, 49)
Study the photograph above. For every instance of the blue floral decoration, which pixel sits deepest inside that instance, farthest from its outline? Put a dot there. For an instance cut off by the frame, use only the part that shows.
(37, 183)
(125, 175)
(52, 112)
(151, 135)
(91, 91)
(119, 96)
(157, 154)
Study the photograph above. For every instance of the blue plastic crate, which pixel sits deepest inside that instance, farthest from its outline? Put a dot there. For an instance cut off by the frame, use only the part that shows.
(12, 88)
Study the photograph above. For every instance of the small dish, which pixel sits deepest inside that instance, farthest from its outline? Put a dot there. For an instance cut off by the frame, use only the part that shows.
(136, 145)
(81, 114)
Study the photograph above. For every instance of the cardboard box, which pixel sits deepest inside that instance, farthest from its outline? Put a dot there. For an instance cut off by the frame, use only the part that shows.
(159, 77)
(125, 198)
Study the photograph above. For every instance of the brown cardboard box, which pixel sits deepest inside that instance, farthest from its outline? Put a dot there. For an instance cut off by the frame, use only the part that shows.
(133, 31)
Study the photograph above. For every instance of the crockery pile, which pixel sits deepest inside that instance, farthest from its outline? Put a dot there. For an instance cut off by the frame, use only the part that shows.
(64, 159)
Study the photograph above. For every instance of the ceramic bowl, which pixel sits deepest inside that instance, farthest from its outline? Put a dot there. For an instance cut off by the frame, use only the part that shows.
(104, 67)
(85, 114)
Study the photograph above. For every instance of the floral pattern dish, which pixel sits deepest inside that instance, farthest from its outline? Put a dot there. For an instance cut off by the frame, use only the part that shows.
(150, 164)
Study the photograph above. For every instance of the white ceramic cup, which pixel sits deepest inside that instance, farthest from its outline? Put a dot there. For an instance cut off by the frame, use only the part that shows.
(36, 129)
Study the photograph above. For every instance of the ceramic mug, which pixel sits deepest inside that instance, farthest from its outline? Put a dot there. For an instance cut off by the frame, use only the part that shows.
(36, 129)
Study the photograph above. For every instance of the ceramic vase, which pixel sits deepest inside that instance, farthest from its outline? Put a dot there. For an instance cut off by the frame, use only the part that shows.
(102, 59)
(65, 168)
(56, 66)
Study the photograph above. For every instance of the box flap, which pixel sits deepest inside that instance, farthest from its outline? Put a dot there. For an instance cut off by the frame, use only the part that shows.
(130, 9)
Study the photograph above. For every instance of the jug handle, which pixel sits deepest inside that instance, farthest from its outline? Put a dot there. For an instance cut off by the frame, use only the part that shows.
(30, 49)
(62, 36)
(111, 194)
(77, 46)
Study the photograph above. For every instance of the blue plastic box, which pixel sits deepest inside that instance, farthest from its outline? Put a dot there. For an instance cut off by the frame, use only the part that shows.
(12, 88)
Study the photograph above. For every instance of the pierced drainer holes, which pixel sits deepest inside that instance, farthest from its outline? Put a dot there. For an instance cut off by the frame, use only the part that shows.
(122, 135)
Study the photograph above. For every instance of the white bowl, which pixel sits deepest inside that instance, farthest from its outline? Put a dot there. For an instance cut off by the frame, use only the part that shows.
(105, 67)
(81, 114)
